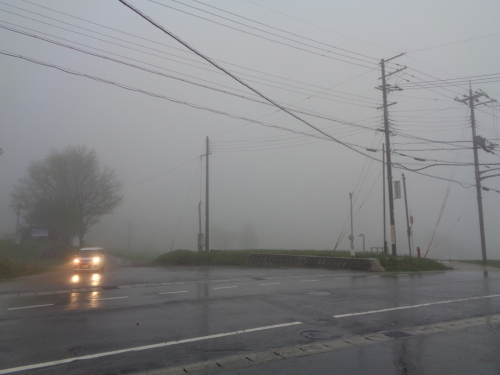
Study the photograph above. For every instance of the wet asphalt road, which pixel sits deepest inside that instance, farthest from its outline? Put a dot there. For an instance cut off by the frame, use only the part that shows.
(124, 313)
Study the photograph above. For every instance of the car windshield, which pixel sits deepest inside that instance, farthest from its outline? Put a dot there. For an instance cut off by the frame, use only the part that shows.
(88, 253)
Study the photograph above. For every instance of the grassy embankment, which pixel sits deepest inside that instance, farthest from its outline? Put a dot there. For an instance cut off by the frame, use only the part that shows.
(238, 257)
(26, 258)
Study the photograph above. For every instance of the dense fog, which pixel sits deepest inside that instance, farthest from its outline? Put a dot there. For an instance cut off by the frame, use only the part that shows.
(273, 184)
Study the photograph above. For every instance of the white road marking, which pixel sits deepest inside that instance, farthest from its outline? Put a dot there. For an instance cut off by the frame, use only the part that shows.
(30, 307)
(306, 281)
(227, 287)
(270, 284)
(341, 278)
(145, 347)
(415, 306)
(177, 291)
(369, 277)
(102, 299)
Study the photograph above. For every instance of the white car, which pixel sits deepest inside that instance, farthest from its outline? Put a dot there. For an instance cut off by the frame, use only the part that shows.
(90, 259)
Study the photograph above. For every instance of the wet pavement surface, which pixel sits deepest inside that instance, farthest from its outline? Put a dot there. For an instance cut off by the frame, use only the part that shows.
(175, 316)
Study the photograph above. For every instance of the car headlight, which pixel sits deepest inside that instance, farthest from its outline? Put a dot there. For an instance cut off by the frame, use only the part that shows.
(77, 260)
(96, 260)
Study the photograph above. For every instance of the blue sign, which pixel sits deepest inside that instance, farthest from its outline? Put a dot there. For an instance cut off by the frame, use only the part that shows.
(39, 233)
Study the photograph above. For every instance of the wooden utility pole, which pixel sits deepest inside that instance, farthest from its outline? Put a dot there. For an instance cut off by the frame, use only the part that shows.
(207, 216)
(387, 132)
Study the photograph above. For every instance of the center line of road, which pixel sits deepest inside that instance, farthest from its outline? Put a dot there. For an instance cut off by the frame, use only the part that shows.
(415, 306)
(177, 291)
(227, 287)
(270, 283)
(145, 347)
(306, 281)
(101, 299)
(30, 307)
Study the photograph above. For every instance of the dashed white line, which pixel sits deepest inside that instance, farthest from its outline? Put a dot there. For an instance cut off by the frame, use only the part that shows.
(341, 278)
(175, 292)
(102, 299)
(415, 306)
(369, 277)
(138, 348)
(306, 281)
(270, 284)
(227, 287)
(30, 307)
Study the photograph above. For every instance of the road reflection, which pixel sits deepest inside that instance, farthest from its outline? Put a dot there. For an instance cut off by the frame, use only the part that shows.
(95, 280)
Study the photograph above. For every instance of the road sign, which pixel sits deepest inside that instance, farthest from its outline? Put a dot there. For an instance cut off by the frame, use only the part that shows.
(352, 245)
(39, 233)
(351, 237)
(411, 220)
(397, 189)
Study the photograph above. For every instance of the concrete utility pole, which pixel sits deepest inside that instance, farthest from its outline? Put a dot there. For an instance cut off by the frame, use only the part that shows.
(408, 229)
(351, 237)
(18, 237)
(473, 101)
(207, 216)
(383, 196)
(385, 89)
(200, 234)
(129, 236)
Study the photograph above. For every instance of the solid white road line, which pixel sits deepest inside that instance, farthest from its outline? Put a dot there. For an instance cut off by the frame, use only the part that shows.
(415, 306)
(30, 307)
(226, 287)
(306, 281)
(177, 291)
(145, 347)
(102, 299)
(270, 284)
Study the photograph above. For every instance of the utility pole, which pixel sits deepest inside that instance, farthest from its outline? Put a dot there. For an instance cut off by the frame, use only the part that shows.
(18, 237)
(351, 237)
(200, 234)
(385, 89)
(473, 100)
(207, 216)
(129, 237)
(362, 235)
(383, 196)
(408, 229)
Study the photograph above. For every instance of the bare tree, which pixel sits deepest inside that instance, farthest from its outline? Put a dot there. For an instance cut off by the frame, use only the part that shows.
(68, 190)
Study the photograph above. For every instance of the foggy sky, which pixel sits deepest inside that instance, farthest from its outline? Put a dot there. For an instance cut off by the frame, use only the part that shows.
(292, 189)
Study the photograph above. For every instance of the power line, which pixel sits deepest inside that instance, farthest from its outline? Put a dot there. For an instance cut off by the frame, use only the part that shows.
(165, 45)
(236, 78)
(319, 27)
(272, 40)
(275, 28)
(459, 41)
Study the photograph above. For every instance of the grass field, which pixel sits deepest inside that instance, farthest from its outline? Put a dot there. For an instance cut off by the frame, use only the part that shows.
(28, 258)
(492, 263)
(238, 257)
